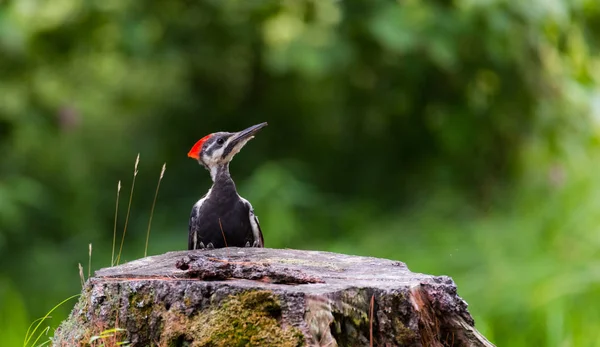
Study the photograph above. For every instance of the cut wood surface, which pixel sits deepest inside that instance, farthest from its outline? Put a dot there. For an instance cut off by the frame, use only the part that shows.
(268, 297)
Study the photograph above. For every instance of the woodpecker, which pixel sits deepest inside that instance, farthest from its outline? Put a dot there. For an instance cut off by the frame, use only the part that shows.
(222, 218)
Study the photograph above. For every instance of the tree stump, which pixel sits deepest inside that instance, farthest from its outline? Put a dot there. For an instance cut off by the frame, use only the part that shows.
(267, 297)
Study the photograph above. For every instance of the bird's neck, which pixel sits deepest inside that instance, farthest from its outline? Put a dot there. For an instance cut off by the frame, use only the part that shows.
(222, 179)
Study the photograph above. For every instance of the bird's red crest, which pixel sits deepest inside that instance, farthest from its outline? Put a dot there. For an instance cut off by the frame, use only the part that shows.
(195, 151)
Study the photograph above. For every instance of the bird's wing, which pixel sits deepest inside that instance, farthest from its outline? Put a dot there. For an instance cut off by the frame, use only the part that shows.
(193, 224)
(256, 231)
(193, 228)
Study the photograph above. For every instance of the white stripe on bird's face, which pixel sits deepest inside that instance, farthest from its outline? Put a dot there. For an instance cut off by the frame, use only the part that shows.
(212, 156)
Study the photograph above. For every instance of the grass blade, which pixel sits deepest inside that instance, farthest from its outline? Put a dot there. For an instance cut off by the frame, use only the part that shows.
(106, 334)
(44, 343)
(31, 325)
(45, 331)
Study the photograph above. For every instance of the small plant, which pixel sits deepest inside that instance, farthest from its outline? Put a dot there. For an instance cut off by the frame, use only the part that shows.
(108, 338)
(30, 334)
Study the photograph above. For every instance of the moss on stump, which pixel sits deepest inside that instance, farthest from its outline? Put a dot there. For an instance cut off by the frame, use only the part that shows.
(246, 319)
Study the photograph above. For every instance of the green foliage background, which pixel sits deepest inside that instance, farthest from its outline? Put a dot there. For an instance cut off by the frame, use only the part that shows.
(460, 137)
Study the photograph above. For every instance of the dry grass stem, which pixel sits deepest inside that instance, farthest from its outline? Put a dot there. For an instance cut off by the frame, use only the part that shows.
(112, 257)
(371, 320)
(222, 232)
(162, 173)
(81, 275)
(135, 172)
(90, 262)
(224, 238)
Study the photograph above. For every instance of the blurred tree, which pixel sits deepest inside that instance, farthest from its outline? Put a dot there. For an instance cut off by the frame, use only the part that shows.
(394, 116)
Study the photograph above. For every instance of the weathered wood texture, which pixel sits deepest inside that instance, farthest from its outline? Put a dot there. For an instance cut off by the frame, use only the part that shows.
(269, 297)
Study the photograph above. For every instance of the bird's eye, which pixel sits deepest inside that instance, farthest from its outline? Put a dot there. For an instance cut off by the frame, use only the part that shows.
(220, 141)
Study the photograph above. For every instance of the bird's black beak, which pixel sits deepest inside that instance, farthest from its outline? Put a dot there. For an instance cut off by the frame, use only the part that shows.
(247, 134)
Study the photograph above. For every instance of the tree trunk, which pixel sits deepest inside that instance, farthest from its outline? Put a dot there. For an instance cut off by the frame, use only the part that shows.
(267, 297)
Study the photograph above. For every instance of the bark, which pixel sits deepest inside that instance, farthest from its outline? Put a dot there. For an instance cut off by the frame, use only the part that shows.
(268, 297)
